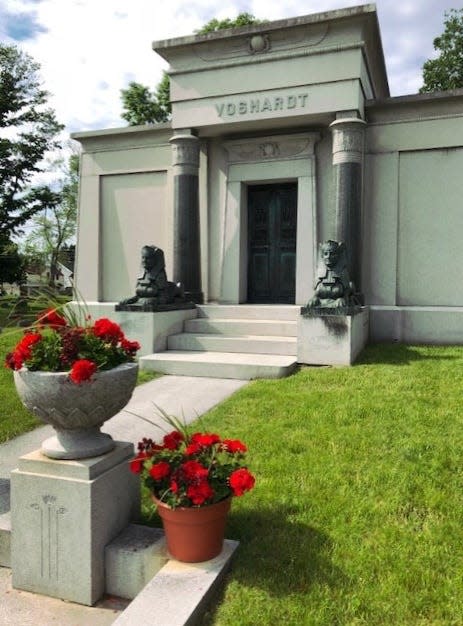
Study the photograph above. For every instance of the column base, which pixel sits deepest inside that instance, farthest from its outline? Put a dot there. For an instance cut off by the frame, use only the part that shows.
(332, 339)
(194, 296)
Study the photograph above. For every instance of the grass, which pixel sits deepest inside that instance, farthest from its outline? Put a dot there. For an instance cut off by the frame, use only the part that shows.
(357, 512)
(15, 419)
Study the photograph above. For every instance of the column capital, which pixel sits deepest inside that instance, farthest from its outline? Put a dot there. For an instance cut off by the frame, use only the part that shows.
(348, 138)
(185, 153)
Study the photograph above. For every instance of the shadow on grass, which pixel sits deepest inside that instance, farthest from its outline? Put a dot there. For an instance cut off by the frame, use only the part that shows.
(398, 354)
(280, 555)
(277, 555)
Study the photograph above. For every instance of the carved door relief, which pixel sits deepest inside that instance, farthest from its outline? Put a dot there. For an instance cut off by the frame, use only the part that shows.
(272, 227)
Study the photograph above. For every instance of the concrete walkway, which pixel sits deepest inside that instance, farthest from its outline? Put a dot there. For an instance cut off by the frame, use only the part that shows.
(181, 396)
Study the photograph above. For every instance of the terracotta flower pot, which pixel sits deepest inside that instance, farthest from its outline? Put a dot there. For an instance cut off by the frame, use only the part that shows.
(194, 534)
(76, 412)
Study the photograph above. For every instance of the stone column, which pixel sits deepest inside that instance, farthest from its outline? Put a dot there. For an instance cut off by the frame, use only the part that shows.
(348, 142)
(187, 258)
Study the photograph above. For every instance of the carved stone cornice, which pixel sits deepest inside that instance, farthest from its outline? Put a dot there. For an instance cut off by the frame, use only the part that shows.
(272, 148)
(306, 36)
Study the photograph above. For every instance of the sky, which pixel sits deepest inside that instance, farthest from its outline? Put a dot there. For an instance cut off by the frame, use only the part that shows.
(89, 50)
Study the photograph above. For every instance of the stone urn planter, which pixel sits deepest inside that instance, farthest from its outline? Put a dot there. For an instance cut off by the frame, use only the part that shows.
(194, 534)
(76, 411)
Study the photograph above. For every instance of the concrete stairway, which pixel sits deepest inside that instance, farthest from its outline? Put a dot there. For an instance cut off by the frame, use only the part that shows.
(232, 341)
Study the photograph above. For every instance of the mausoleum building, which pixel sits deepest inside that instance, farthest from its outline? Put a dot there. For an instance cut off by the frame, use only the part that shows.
(283, 136)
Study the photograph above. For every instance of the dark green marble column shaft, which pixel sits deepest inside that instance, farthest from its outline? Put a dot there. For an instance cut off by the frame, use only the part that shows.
(348, 190)
(348, 140)
(187, 253)
(187, 266)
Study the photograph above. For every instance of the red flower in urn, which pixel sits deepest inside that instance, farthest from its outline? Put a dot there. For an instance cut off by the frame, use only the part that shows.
(57, 343)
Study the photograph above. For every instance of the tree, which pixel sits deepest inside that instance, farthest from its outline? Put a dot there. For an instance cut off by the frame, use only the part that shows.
(143, 106)
(54, 228)
(12, 263)
(28, 130)
(446, 71)
(243, 19)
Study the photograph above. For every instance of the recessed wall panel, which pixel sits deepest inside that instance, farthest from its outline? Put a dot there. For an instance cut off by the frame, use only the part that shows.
(134, 212)
(430, 228)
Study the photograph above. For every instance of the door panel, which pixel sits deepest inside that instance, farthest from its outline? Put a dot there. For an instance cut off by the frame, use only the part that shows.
(272, 227)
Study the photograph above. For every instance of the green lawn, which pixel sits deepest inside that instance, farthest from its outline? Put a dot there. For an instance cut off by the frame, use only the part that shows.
(357, 515)
(14, 418)
(356, 518)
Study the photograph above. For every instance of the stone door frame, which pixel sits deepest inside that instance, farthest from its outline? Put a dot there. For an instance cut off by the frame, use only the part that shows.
(262, 160)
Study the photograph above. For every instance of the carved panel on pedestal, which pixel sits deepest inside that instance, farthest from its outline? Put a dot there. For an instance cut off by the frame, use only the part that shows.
(50, 515)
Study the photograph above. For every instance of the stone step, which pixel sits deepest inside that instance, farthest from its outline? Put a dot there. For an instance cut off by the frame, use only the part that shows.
(219, 364)
(179, 593)
(5, 523)
(289, 312)
(263, 344)
(279, 328)
(132, 559)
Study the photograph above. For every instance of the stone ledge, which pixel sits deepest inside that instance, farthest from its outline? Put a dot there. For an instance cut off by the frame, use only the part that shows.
(132, 559)
(179, 592)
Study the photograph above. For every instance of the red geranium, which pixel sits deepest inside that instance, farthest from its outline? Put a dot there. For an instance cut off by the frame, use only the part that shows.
(136, 464)
(23, 351)
(205, 439)
(26, 343)
(241, 481)
(63, 346)
(82, 370)
(130, 346)
(192, 449)
(191, 470)
(173, 440)
(51, 318)
(107, 330)
(199, 493)
(233, 446)
(160, 470)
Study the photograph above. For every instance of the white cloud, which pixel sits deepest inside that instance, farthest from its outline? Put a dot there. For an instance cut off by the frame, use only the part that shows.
(92, 48)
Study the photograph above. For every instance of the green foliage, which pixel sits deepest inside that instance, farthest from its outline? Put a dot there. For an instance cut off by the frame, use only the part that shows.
(54, 227)
(15, 418)
(143, 106)
(446, 71)
(12, 263)
(243, 19)
(55, 343)
(30, 130)
(192, 468)
(355, 519)
(162, 95)
(145, 376)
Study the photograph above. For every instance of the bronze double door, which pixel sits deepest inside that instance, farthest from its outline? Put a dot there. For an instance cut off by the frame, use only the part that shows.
(272, 228)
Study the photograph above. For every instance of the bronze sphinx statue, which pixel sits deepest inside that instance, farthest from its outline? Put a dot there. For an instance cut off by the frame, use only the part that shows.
(333, 288)
(153, 292)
